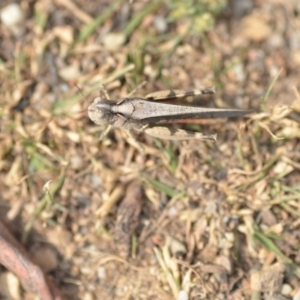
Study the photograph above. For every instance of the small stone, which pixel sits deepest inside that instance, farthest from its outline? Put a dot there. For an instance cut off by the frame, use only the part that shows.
(268, 279)
(70, 72)
(241, 7)
(276, 40)
(9, 286)
(296, 57)
(224, 262)
(46, 258)
(160, 24)
(113, 41)
(255, 27)
(76, 162)
(177, 247)
(11, 15)
(286, 289)
(283, 168)
(65, 33)
(297, 295)
(88, 296)
(101, 273)
(183, 295)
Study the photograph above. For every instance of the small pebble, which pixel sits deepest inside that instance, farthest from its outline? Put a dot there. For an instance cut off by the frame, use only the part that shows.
(10, 287)
(101, 273)
(286, 289)
(160, 24)
(11, 15)
(113, 41)
(183, 295)
(297, 295)
(46, 258)
(76, 162)
(177, 247)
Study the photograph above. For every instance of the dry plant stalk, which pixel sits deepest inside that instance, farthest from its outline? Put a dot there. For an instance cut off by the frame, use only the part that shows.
(127, 217)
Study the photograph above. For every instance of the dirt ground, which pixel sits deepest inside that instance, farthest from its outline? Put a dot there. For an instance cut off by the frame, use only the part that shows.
(186, 219)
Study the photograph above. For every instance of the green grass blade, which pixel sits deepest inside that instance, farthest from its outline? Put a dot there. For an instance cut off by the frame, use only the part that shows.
(92, 27)
(138, 18)
(162, 187)
(266, 96)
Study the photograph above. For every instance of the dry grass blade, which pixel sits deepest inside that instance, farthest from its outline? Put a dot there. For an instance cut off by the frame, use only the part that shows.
(46, 201)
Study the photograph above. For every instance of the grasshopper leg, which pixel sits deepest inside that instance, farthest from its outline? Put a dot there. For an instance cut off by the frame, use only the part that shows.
(104, 91)
(136, 89)
(132, 92)
(132, 140)
(178, 134)
(105, 132)
(170, 94)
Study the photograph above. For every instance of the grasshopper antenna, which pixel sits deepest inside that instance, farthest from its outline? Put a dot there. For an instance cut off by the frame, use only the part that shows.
(79, 90)
(85, 102)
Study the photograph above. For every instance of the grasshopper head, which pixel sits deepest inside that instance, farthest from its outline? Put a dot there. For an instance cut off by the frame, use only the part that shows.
(100, 111)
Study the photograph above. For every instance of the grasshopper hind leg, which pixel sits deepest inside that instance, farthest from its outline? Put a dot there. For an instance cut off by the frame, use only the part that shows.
(178, 134)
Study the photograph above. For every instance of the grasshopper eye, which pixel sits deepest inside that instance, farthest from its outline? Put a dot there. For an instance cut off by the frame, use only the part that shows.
(96, 113)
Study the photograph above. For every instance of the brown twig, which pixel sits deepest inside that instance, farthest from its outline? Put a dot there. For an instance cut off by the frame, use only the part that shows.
(15, 258)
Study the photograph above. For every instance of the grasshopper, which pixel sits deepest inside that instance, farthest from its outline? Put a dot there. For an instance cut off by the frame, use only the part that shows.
(137, 113)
